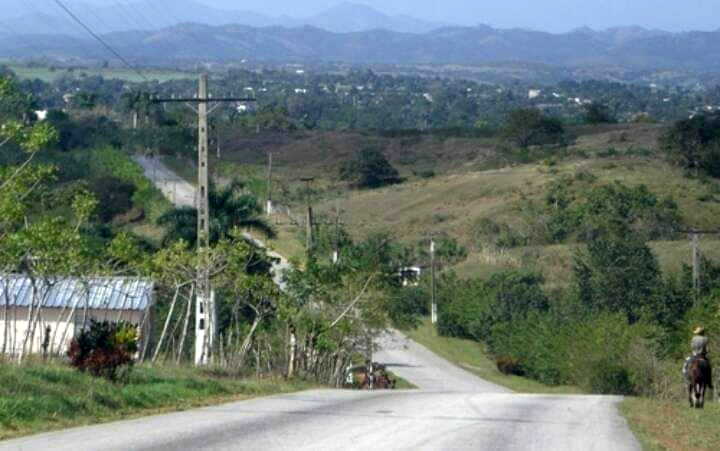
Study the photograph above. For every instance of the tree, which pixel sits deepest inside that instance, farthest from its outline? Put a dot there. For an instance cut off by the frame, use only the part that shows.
(598, 113)
(228, 208)
(618, 273)
(369, 169)
(694, 144)
(528, 126)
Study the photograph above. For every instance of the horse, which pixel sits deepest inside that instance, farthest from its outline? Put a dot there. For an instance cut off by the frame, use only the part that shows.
(700, 376)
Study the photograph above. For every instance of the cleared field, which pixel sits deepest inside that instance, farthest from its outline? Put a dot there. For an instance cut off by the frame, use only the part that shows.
(49, 74)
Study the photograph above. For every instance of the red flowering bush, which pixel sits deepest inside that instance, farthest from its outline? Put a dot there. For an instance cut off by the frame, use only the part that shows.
(104, 349)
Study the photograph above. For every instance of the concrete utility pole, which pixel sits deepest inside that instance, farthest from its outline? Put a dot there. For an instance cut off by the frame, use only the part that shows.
(433, 305)
(205, 312)
(696, 261)
(336, 250)
(269, 206)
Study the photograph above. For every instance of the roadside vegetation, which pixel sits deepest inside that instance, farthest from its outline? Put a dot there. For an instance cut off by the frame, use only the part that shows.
(37, 396)
(559, 244)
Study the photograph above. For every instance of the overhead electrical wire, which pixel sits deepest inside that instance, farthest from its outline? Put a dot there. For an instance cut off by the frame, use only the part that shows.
(100, 40)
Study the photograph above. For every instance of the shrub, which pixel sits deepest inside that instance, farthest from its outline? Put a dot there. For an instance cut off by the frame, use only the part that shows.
(114, 196)
(105, 349)
(608, 377)
(509, 366)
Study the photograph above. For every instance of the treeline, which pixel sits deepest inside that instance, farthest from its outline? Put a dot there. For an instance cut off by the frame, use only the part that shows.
(364, 100)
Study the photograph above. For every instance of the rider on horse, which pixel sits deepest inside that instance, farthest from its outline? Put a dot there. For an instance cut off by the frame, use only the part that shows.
(699, 347)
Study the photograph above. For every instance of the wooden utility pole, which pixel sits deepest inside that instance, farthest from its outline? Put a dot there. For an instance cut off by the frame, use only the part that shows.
(205, 311)
(309, 217)
(433, 304)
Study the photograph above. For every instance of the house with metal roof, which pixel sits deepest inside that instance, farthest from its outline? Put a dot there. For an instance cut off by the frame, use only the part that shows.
(43, 315)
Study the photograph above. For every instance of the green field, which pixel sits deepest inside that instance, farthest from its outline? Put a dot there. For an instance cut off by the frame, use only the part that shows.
(41, 397)
(49, 74)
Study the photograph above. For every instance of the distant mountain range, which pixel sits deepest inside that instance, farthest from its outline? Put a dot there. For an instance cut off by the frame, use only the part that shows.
(153, 15)
(628, 47)
(168, 31)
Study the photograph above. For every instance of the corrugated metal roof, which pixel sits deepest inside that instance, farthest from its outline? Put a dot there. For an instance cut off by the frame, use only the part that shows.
(106, 293)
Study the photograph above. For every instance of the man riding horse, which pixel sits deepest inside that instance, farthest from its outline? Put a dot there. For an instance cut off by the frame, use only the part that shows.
(699, 347)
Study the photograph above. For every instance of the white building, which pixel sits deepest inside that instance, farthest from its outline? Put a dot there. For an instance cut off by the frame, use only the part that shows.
(534, 93)
(44, 316)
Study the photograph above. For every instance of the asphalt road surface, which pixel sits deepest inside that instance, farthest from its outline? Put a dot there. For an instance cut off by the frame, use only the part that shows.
(451, 410)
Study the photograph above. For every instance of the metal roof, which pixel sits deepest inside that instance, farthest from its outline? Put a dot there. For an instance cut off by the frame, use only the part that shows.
(104, 293)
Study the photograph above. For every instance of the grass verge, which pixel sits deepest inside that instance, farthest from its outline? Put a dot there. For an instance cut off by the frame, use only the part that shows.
(471, 355)
(672, 425)
(42, 397)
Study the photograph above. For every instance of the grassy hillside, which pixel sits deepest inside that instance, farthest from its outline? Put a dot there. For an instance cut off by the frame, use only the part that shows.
(475, 179)
(48, 74)
(41, 397)
(455, 205)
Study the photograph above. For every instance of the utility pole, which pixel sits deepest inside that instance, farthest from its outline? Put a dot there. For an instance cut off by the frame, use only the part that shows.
(433, 305)
(696, 260)
(205, 311)
(309, 217)
(269, 207)
(336, 250)
(204, 306)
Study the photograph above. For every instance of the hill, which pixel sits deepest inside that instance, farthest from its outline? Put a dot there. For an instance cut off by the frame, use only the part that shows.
(455, 185)
(622, 47)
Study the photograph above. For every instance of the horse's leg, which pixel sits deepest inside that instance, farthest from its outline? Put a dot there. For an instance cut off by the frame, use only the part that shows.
(690, 395)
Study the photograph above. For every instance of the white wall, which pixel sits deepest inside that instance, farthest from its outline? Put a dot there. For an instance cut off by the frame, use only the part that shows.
(14, 325)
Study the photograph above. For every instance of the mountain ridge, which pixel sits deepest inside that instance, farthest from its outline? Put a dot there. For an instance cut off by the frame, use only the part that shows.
(631, 47)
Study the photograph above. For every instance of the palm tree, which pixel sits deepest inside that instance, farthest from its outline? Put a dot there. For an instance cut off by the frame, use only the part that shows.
(229, 208)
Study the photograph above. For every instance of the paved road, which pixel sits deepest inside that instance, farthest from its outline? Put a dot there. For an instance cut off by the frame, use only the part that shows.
(467, 414)
(182, 194)
(451, 410)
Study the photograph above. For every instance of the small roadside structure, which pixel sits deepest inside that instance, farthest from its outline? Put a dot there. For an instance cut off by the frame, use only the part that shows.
(42, 315)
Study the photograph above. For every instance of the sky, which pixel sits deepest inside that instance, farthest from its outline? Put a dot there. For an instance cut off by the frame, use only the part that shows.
(546, 15)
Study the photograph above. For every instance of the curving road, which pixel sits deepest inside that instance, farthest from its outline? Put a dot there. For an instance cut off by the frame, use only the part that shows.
(451, 410)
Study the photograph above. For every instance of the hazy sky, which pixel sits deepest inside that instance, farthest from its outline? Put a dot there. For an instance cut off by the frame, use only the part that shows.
(550, 15)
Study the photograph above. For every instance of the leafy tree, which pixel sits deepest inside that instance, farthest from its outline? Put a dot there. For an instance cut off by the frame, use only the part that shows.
(617, 272)
(598, 113)
(694, 144)
(369, 169)
(228, 208)
(114, 196)
(529, 126)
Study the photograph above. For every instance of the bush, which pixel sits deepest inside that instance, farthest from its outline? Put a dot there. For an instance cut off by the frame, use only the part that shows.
(114, 196)
(608, 377)
(509, 366)
(105, 349)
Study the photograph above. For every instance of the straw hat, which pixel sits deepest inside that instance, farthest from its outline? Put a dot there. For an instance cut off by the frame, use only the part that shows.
(699, 330)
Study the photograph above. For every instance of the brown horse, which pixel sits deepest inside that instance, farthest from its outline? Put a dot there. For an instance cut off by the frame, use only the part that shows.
(700, 378)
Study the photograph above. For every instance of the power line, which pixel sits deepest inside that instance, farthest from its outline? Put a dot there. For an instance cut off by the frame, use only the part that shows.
(99, 39)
